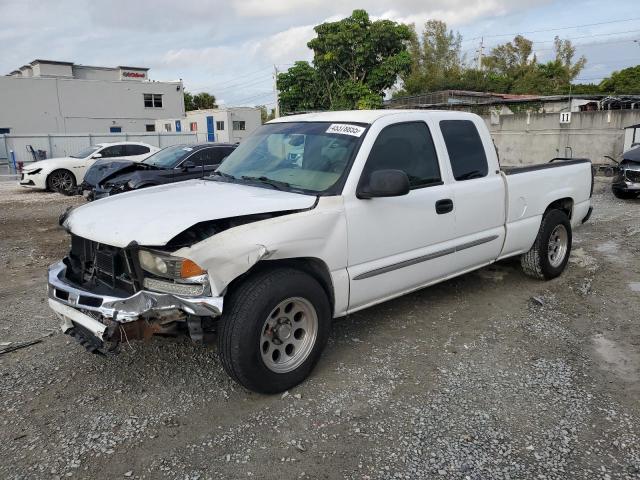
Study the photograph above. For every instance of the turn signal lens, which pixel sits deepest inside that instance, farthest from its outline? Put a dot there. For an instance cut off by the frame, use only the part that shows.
(190, 269)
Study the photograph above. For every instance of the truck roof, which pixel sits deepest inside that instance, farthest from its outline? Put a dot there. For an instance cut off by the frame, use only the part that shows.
(362, 116)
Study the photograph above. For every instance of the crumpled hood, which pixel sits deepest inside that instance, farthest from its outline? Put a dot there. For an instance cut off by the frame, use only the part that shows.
(44, 163)
(105, 168)
(155, 215)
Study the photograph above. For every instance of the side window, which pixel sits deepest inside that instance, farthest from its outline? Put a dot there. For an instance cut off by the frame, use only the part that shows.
(197, 158)
(212, 156)
(113, 151)
(407, 147)
(465, 148)
(136, 149)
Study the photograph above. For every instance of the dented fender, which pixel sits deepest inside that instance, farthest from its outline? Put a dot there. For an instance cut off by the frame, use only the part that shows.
(320, 233)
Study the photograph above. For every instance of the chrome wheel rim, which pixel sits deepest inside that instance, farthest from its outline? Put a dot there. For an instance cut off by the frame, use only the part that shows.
(61, 181)
(558, 245)
(288, 335)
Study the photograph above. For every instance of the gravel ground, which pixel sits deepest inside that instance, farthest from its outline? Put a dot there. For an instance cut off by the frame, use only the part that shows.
(488, 376)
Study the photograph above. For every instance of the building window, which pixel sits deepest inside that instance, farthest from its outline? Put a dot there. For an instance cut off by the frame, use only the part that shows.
(219, 125)
(152, 100)
(115, 129)
(150, 128)
(239, 125)
(167, 127)
(5, 131)
(193, 126)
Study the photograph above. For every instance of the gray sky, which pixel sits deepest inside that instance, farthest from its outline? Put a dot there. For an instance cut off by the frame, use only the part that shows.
(229, 48)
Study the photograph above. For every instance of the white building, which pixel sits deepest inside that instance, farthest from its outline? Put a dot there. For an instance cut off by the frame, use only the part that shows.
(226, 125)
(62, 97)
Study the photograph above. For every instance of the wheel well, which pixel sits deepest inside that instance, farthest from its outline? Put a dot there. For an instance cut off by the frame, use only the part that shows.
(314, 267)
(563, 204)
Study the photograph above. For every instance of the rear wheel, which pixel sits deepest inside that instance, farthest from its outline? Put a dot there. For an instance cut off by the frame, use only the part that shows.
(273, 330)
(62, 181)
(550, 252)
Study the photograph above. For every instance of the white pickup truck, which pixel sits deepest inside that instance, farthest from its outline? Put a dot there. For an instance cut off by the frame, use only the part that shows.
(311, 218)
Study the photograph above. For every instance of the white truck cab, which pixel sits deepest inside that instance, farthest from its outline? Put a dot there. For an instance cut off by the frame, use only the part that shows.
(312, 217)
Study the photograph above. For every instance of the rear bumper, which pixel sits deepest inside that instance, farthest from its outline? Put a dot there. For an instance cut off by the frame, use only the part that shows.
(588, 215)
(139, 306)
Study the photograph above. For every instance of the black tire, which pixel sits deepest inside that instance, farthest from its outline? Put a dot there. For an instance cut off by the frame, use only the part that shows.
(62, 181)
(625, 195)
(242, 323)
(536, 262)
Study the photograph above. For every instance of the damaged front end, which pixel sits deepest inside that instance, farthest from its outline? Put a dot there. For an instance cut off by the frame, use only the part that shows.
(105, 295)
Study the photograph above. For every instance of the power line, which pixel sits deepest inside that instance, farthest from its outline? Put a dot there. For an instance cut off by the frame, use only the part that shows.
(578, 45)
(242, 76)
(588, 36)
(554, 29)
(249, 83)
(253, 97)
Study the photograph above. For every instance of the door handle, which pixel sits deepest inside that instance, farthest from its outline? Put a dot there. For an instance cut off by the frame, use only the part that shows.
(444, 206)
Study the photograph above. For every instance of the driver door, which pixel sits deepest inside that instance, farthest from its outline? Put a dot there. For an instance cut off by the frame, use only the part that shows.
(400, 243)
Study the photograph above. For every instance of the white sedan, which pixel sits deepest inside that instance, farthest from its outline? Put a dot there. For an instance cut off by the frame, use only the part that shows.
(64, 173)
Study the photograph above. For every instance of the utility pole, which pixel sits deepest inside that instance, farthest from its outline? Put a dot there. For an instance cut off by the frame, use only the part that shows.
(275, 88)
(480, 52)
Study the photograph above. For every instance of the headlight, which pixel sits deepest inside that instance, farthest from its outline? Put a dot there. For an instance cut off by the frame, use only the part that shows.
(169, 266)
(33, 172)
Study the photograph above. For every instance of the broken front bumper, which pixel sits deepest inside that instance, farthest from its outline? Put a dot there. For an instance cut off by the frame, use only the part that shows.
(69, 302)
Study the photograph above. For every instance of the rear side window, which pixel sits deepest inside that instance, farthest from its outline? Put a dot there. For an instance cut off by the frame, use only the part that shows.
(207, 157)
(113, 151)
(465, 148)
(407, 147)
(136, 149)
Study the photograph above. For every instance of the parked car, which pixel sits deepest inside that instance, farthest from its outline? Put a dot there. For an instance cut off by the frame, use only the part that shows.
(273, 246)
(63, 174)
(626, 183)
(171, 164)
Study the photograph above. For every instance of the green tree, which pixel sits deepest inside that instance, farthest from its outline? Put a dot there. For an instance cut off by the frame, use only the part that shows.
(623, 81)
(188, 101)
(199, 101)
(300, 89)
(265, 114)
(203, 101)
(357, 59)
(436, 61)
(354, 61)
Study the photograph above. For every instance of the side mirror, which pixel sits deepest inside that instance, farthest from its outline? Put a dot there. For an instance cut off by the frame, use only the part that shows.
(96, 155)
(384, 183)
(188, 165)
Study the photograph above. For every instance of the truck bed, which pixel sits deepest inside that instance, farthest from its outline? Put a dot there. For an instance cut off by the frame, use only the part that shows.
(556, 162)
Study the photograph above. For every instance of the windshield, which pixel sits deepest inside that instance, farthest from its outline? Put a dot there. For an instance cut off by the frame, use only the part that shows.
(169, 157)
(86, 152)
(309, 156)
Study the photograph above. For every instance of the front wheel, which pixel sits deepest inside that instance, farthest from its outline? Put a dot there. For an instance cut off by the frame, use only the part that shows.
(625, 195)
(273, 330)
(62, 181)
(550, 252)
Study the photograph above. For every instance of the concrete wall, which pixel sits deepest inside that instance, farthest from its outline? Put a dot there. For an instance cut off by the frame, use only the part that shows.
(536, 138)
(60, 105)
(63, 145)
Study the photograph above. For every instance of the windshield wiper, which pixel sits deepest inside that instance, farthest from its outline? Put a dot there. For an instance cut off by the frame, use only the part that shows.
(221, 174)
(268, 181)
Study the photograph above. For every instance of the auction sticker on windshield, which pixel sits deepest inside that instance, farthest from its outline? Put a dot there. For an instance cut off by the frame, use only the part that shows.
(345, 129)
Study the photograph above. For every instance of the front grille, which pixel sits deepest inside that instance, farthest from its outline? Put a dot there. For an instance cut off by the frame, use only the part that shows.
(633, 175)
(102, 269)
